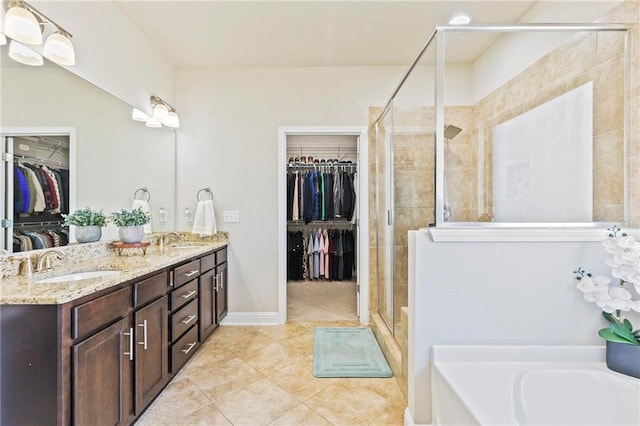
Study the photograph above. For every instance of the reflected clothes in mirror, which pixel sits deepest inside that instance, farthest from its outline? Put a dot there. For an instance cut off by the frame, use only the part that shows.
(24, 240)
(321, 195)
(39, 189)
(327, 254)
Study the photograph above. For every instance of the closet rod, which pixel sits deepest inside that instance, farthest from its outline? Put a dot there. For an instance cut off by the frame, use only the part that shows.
(35, 224)
(36, 161)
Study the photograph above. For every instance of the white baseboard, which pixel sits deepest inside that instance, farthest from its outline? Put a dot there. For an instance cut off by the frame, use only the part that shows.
(251, 318)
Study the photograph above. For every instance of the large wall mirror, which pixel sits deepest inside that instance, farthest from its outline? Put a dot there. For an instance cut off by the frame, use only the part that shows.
(110, 157)
(543, 138)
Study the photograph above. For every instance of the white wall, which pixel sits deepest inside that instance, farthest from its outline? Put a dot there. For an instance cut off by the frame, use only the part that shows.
(111, 52)
(494, 293)
(228, 141)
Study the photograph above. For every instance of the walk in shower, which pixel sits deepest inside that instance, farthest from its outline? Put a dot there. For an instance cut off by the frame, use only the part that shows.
(498, 126)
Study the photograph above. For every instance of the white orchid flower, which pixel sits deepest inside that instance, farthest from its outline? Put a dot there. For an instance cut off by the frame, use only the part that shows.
(635, 305)
(619, 299)
(590, 297)
(593, 285)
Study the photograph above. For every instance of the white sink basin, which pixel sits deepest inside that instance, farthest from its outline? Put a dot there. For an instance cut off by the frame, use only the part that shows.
(78, 276)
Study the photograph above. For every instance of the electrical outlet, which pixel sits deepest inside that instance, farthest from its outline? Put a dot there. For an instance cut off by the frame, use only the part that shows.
(231, 216)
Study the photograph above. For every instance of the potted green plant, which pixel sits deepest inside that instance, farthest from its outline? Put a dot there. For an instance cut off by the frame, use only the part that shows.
(623, 342)
(88, 224)
(131, 224)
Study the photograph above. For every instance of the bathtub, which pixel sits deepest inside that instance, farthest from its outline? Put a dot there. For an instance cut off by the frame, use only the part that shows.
(494, 385)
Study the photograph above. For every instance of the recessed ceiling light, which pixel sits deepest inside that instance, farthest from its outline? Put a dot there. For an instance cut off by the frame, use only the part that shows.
(460, 20)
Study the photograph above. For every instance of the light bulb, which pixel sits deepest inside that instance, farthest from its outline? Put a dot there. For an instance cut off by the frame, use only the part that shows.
(172, 120)
(160, 112)
(22, 25)
(59, 49)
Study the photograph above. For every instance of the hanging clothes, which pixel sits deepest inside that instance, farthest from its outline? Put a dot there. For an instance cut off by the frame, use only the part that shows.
(321, 195)
(327, 254)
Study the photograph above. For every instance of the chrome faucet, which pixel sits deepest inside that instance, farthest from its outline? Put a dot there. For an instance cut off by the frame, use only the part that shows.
(43, 261)
(165, 238)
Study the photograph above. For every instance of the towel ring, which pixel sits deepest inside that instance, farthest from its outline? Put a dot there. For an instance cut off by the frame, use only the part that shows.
(206, 190)
(144, 190)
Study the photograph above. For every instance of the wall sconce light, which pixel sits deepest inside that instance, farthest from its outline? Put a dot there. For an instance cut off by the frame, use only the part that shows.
(163, 114)
(25, 24)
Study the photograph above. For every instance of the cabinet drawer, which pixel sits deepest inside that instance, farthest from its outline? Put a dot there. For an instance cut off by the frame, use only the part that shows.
(207, 262)
(92, 315)
(186, 273)
(147, 290)
(221, 256)
(182, 350)
(184, 294)
(183, 319)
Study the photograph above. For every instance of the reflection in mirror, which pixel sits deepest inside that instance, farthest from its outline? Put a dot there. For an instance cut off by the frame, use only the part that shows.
(113, 155)
(545, 144)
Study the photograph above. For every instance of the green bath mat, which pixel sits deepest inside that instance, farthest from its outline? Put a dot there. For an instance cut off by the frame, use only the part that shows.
(347, 352)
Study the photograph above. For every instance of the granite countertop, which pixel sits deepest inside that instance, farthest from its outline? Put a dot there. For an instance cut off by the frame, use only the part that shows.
(28, 291)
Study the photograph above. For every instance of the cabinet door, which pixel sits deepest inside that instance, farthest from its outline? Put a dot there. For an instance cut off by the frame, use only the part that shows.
(221, 293)
(102, 379)
(151, 360)
(207, 304)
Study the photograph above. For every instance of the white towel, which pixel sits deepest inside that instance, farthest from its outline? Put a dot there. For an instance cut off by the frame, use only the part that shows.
(144, 206)
(204, 222)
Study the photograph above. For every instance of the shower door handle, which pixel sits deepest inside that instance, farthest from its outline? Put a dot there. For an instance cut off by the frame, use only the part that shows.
(389, 217)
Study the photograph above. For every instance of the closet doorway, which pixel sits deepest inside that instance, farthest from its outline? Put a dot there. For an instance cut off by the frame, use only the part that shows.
(323, 238)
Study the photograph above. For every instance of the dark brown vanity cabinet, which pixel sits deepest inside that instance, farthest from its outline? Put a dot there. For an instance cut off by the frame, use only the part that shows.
(213, 292)
(103, 358)
(120, 370)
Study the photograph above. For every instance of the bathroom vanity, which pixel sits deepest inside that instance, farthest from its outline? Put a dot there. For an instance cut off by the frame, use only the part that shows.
(98, 351)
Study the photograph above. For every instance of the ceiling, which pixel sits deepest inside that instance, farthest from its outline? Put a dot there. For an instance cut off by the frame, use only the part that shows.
(302, 33)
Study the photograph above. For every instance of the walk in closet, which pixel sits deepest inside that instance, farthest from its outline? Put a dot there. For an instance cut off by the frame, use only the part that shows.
(322, 222)
(35, 172)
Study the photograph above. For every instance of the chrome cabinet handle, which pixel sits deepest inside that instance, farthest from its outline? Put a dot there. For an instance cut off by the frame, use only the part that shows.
(222, 280)
(188, 274)
(188, 295)
(215, 287)
(187, 320)
(188, 348)
(144, 334)
(130, 353)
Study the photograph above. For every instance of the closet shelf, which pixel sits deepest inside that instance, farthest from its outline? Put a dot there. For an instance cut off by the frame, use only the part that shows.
(38, 161)
(319, 165)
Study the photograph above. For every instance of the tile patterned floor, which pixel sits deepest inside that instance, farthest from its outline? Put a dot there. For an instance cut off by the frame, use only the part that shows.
(263, 376)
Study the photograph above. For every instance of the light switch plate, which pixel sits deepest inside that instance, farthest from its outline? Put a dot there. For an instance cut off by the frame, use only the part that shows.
(230, 216)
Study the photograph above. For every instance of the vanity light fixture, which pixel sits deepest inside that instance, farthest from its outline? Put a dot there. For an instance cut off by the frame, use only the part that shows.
(460, 20)
(25, 24)
(164, 112)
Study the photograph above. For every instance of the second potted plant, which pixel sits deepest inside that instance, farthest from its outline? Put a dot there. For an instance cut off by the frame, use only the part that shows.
(88, 224)
(131, 224)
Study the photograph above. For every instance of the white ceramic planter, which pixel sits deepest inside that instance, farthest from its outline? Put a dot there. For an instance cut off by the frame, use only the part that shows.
(131, 234)
(88, 234)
